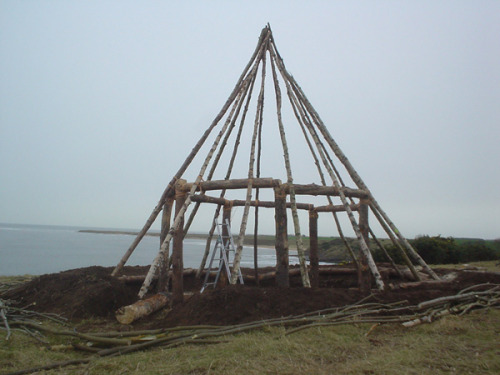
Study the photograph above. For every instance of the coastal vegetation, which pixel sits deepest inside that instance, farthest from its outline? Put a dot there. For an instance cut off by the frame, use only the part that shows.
(441, 250)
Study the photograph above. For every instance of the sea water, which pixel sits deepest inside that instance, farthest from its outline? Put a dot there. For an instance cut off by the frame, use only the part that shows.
(41, 249)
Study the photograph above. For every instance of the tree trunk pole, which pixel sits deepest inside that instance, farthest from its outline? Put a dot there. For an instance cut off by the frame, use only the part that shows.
(256, 240)
(164, 266)
(260, 107)
(364, 276)
(298, 236)
(379, 244)
(177, 248)
(281, 238)
(313, 248)
(208, 244)
(396, 243)
(257, 191)
(140, 309)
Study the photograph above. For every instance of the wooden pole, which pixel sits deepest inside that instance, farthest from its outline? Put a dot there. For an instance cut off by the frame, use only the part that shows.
(208, 244)
(250, 186)
(364, 276)
(177, 248)
(164, 266)
(281, 238)
(379, 244)
(298, 236)
(396, 243)
(254, 203)
(313, 248)
(257, 191)
(255, 240)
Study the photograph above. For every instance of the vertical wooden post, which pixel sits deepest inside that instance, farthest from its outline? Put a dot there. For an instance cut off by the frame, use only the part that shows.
(313, 248)
(177, 248)
(364, 277)
(226, 218)
(164, 262)
(282, 279)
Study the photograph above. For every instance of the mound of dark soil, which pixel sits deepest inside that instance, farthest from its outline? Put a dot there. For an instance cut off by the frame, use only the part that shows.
(240, 303)
(92, 292)
(79, 293)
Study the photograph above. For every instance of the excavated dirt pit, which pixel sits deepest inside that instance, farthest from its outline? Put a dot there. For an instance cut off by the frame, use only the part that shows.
(92, 293)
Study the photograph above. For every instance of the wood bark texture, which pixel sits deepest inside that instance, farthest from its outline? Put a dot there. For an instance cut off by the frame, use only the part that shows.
(140, 309)
(313, 248)
(177, 251)
(281, 239)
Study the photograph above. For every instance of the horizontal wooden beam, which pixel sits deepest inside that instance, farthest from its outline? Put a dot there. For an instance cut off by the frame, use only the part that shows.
(335, 208)
(238, 202)
(234, 184)
(313, 189)
(271, 204)
(310, 189)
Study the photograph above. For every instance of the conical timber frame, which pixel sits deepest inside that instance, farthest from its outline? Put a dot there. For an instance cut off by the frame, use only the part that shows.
(320, 144)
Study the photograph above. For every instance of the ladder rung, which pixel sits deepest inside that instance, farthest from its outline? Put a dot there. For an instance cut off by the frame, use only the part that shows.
(225, 246)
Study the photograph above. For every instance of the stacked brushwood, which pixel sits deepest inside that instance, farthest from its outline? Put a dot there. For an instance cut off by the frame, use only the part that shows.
(101, 344)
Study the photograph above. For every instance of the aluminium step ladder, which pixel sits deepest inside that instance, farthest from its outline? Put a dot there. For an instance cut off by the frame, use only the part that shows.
(224, 251)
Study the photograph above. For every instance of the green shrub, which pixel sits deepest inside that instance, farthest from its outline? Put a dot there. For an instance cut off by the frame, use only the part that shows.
(437, 250)
(392, 250)
(476, 251)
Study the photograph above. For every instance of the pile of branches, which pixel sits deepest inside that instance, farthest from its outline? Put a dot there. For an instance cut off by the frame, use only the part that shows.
(26, 321)
(15, 281)
(102, 344)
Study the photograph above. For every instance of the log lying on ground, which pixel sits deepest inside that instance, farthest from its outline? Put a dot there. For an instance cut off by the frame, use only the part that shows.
(418, 284)
(138, 279)
(130, 313)
(323, 270)
(331, 270)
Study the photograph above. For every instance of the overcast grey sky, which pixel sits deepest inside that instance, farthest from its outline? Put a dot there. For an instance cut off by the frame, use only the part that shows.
(101, 101)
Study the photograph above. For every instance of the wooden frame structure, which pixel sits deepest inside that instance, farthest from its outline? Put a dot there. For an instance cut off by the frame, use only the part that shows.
(330, 162)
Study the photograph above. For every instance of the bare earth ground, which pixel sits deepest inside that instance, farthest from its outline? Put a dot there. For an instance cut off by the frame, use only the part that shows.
(92, 293)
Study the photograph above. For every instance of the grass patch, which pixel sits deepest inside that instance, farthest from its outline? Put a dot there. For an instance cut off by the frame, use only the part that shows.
(7, 282)
(487, 265)
(462, 345)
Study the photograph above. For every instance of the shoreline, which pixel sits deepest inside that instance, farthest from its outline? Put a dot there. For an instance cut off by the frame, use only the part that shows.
(261, 242)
